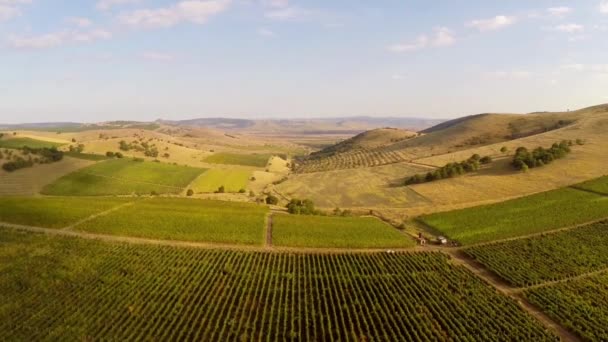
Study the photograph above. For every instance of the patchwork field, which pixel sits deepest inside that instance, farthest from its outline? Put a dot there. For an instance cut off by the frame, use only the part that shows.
(185, 219)
(164, 293)
(531, 261)
(211, 180)
(29, 142)
(124, 177)
(335, 232)
(580, 305)
(527, 215)
(257, 160)
(53, 212)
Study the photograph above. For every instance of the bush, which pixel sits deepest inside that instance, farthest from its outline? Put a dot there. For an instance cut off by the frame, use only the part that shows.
(118, 155)
(221, 190)
(110, 154)
(271, 199)
(190, 192)
(301, 207)
(524, 159)
(450, 170)
(504, 149)
(242, 191)
(486, 160)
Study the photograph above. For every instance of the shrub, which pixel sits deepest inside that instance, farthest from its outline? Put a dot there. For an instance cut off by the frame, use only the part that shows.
(450, 170)
(242, 191)
(110, 154)
(524, 159)
(221, 190)
(504, 149)
(118, 155)
(301, 207)
(486, 160)
(271, 199)
(190, 192)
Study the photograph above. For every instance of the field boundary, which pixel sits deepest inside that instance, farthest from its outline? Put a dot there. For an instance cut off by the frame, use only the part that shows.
(575, 187)
(103, 213)
(268, 230)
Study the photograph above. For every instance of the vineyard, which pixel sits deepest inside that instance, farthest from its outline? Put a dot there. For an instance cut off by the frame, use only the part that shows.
(124, 177)
(539, 259)
(580, 305)
(256, 160)
(527, 215)
(29, 142)
(336, 232)
(133, 292)
(184, 219)
(53, 212)
(352, 159)
(599, 186)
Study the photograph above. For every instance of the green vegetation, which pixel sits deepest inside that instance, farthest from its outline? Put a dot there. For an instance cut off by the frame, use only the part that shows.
(272, 199)
(579, 305)
(163, 293)
(211, 180)
(85, 156)
(550, 257)
(450, 170)
(40, 155)
(301, 207)
(27, 142)
(599, 185)
(525, 159)
(149, 150)
(527, 215)
(257, 160)
(52, 212)
(338, 232)
(185, 219)
(123, 177)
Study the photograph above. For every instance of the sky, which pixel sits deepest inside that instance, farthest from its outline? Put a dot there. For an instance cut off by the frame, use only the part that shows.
(100, 60)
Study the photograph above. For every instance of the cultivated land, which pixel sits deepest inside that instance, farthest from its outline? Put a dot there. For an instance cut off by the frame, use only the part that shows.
(527, 215)
(164, 293)
(599, 186)
(336, 232)
(53, 212)
(233, 180)
(256, 160)
(123, 177)
(29, 142)
(580, 305)
(550, 257)
(186, 220)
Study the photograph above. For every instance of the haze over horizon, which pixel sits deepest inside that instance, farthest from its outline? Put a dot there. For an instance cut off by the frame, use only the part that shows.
(142, 60)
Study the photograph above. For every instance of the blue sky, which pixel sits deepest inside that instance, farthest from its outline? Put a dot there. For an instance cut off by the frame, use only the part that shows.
(64, 60)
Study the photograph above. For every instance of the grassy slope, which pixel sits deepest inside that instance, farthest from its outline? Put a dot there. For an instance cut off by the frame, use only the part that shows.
(257, 160)
(557, 256)
(32, 143)
(123, 176)
(526, 215)
(211, 180)
(339, 232)
(185, 219)
(52, 212)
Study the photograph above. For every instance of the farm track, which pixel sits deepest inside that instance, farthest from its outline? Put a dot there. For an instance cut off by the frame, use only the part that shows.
(103, 213)
(269, 230)
(589, 191)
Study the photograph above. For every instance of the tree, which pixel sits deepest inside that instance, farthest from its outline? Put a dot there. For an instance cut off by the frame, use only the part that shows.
(110, 154)
(190, 192)
(221, 190)
(504, 149)
(242, 191)
(486, 160)
(272, 200)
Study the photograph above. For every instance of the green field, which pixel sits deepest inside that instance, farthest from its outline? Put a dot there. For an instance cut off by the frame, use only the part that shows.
(580, 305)
(86, 156)
(185, 219)
(52, 212)
(527, 215)
(599, 185)
(57, 288)
(31, 143)
(124, 177)
(335, 232)
(257, 160)
(539, 259)
(232, 180)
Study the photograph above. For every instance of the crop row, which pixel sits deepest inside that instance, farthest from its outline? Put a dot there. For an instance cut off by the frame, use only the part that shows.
(549, 257)
(350, 160)
(66, 288)
(580, 305)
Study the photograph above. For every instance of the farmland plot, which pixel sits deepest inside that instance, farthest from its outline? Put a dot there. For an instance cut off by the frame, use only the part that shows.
(124, 177)
(164, 293)
(539, 259)
(257, 160)
(527, 215)
(29, 142)
(599, 186)
(231, 180)
(185, 219)
(338, 232)
(580, 305)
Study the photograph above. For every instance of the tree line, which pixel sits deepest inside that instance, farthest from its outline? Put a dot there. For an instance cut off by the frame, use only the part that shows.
(42, 155)
(525, 159)
(450, 170)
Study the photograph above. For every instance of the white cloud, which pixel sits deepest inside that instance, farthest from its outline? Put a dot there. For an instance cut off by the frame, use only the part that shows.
(105, 5)
(157, 56)
(264, 32)
(10, 8)
(509, 75)
(275, 3)
(287, 13)
(604, 7)
(496, 23)
(194, 11)
(55, 39)
(80, 22)
(569, 28)
(441, 37)
(559, 11)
